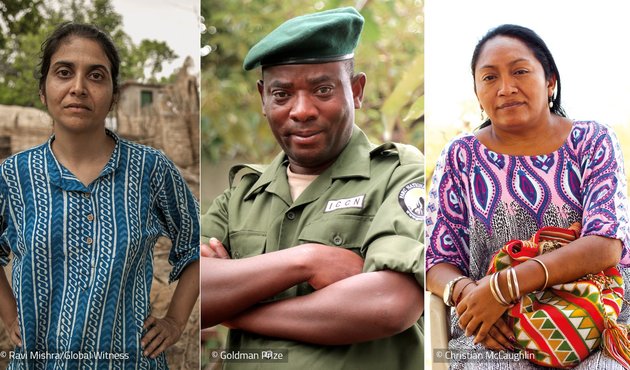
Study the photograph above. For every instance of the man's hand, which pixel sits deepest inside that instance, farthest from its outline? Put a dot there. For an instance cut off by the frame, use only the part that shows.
(390, 302)
(162, 333)
(331, 264)
(327, 264)
(214, 249)
(266, 275)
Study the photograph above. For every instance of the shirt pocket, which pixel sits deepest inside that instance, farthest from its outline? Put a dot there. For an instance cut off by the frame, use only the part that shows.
(346, 231)
(247, 243)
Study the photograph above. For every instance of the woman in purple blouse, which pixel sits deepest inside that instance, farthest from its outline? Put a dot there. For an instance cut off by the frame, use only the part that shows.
(526, 167)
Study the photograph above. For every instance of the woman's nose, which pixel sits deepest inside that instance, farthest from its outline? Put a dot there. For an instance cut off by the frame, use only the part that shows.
(507, 86)
(78, 87)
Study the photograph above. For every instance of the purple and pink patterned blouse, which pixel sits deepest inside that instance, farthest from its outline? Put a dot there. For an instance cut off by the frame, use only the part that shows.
(480, 199)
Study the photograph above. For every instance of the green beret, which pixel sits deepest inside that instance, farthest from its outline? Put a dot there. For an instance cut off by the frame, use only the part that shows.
(327, 36)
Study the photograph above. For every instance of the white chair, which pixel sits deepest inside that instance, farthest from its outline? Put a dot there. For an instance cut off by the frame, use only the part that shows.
(439, 316)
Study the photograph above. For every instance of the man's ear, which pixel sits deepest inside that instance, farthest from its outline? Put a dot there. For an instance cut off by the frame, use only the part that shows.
(261, 91)
(358, 86)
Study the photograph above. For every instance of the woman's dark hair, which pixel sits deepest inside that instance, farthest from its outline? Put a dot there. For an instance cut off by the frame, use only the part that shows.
(87, 31)
(538, 48)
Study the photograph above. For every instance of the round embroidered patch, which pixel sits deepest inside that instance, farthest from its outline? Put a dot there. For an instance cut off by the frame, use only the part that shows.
(411, 200)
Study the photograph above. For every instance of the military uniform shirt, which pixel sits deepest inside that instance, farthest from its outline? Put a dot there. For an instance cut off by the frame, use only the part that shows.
(369, 201)
(82, 255)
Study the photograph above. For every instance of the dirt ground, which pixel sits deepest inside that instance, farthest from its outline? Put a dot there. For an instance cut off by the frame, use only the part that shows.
(184, 355)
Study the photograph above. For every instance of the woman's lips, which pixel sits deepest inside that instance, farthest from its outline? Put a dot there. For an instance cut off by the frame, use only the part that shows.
(77, 108)
(510, 105)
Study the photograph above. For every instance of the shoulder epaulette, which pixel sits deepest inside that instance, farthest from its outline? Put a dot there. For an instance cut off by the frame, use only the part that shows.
(251, 168)
(407, 154)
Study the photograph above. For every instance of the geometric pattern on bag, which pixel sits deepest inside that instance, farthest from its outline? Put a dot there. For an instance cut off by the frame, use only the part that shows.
(563, 324)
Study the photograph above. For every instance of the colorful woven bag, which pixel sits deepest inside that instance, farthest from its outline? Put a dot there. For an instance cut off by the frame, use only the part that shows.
(563, 324)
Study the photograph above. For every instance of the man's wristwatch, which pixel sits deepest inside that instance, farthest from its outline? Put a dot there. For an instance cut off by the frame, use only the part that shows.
(448, 291)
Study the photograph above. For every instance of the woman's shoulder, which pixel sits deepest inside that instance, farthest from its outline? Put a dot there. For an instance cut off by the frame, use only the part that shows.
(457, 145)
(462, 139)
(591, 126)
(586, 132)
(150, 155)
(29, 154)
(588, 123)
(457, 153)
(11, 166)
(154, 161)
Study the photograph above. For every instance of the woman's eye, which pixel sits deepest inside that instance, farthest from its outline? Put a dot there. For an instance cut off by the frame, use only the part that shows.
(64, 73)
(97, 76)
(487, 78)
(521, 71)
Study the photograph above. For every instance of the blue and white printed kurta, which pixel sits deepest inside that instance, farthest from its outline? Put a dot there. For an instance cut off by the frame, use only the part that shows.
(82, 265)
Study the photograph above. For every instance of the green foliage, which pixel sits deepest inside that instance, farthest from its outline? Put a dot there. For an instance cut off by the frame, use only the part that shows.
(390, 52)
(148, 56)
(18, 85)
(26, 24)
(18, 16)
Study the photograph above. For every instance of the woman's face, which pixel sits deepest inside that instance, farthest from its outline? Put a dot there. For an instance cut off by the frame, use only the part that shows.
(78, 90)
(510, 84)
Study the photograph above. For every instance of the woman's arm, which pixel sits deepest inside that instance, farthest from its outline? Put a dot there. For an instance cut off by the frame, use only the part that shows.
(360, 308)
(501, 335)
(440, 274)
(587, 255)
(8, 310)
(163, 333)
(479, 310)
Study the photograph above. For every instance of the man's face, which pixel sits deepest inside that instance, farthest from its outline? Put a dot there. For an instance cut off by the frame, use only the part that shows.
(310, 109)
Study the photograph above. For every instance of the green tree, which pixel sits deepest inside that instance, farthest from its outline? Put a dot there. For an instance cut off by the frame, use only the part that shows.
(390, 52)
(146, 59)
(18, 16)
(25, 25)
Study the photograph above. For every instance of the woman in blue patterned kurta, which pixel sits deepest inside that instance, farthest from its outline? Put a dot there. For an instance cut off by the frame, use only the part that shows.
(81, 215)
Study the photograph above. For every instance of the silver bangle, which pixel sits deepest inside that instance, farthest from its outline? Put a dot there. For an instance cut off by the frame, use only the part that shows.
(546, 273)
(448, 290)
(516, 287)
(496, 290)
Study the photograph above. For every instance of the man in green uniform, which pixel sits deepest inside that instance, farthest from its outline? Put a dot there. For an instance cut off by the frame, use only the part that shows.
(317, 257)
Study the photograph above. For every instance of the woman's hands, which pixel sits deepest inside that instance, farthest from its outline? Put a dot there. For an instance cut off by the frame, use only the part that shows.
(161, 334)
(481, 315)
(14, 333)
